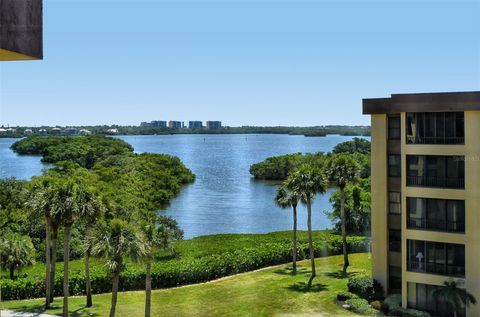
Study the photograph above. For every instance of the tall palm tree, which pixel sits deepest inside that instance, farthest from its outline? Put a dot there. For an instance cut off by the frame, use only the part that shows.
(157, 235)
(90, 209)
(286, 199)
(71, 201)
(114, 242)
(342, 169)
(454, 296)
(308, 181)
(40, 203)
(16, 251)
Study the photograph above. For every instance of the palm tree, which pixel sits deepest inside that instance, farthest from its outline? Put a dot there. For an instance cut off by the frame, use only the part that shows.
(113, 243)
(91, 208)
(285, 199)
(454, 296)
(40, 203)
(342, 169)
(157, 236)
(16, 251)
(308, 181)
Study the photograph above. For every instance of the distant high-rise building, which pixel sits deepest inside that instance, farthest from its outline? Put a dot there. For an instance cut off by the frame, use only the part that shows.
(175, 124)
(158, 124)
(154, 124)
(195, 124)
(214, 125)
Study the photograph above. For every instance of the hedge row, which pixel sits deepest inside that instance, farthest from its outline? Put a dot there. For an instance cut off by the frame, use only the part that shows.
(179, 271)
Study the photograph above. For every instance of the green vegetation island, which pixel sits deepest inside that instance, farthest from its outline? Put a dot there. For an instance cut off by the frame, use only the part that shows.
(317, 131)
(89, 227)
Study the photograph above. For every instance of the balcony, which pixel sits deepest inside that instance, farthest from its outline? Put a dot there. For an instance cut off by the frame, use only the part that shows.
(436, 268)
(435, 225)
(441, 182)
(435, 140)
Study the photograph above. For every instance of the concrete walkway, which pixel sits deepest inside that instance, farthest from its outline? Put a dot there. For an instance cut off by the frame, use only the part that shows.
(8, 313)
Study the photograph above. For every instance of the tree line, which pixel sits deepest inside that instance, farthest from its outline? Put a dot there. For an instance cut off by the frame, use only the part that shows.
(100, 199)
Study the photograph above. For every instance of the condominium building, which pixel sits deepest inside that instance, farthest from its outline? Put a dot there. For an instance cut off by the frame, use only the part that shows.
(175, 124)
(214, 125)
(21, 30)
(426, 196)
(195, 124)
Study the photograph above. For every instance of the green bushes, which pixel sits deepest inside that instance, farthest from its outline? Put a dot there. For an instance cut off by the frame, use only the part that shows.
(225, 255)
(391, 302)
(343, 296)
(361, 306)
(366, 288)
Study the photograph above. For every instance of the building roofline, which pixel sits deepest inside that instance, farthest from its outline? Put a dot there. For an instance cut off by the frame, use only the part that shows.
(423, 102)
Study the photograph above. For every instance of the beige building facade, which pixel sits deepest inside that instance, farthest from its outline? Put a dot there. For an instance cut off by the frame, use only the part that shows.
(426, 196)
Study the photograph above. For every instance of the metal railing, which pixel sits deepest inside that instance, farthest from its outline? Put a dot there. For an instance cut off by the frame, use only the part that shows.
(435, 225)
(436, 268)
(435, 140)
(443, 182)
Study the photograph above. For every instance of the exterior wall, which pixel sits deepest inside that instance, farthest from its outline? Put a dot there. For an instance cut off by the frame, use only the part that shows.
(471, 195)
(379, 199)
(21, 29)
(472, 207)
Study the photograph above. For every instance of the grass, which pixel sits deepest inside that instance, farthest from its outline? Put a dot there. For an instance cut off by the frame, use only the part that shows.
(268, 292)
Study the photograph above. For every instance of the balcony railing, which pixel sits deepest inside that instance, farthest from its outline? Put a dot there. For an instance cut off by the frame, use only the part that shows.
(442, 182)
(435, 140)
(436, 268)
(435, 225)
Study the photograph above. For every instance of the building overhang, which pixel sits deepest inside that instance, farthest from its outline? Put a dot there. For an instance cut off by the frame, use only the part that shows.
(424, 102)
(21, 30)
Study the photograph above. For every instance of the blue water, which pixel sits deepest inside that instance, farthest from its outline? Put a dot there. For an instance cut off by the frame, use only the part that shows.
(224, 198)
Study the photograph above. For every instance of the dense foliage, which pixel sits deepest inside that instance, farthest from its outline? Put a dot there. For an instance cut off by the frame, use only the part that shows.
(361, 306)
(278, 167)
(85, 151)
(357, 145)
(366, 288)
(197, 260)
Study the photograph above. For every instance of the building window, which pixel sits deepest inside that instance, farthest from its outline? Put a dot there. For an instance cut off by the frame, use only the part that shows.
(436, 171)
(394, 166)
(436, 214)
(394, 279)
(420, 296)
(395, 240)
(436, 258)
(394, 128)
(435, 128)
(394, 203)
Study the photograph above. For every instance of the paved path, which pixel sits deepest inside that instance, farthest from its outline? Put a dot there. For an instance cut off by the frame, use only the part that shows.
(8, 313)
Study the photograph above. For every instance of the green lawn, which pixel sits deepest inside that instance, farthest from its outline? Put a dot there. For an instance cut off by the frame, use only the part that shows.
(269, 292)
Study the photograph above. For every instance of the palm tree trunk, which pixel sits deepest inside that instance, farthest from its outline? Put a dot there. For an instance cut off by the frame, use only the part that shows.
(67, 230)
(53, 260)
(310, 243)
(48, 261)
(116, 278)
(12, 272)
(346, 263)
(148, 289)
(88, 283)
(294, 252)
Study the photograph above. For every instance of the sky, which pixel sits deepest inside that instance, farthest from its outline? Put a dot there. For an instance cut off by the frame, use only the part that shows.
(262, 62)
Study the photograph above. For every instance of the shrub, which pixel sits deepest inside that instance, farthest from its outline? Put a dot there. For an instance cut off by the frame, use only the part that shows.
(361, 306)
(404, 312)
(376, 305)
(224, 258)
(343, 296)
(366, 288)
(391, 302)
